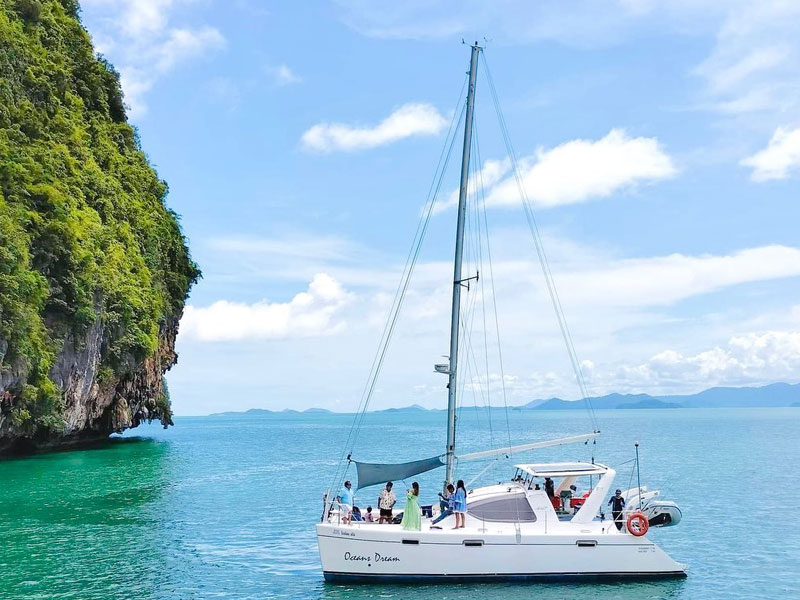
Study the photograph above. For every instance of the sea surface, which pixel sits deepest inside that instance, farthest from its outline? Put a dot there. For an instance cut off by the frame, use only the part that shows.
(225, 507)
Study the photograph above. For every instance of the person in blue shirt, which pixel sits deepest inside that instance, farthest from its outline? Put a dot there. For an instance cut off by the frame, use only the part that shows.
(446, 503)
(346, 499)
(460, 505)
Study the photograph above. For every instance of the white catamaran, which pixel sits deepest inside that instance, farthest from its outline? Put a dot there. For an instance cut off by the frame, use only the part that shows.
(518, 530)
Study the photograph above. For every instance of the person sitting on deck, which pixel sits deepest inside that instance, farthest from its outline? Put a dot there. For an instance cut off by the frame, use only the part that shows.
(411, 514)
(446, 503)
(617, 503)
(386, 502)
(346, 499)
(368, 517)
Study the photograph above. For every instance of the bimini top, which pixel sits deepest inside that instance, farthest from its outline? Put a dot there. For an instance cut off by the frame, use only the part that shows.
(570, 469)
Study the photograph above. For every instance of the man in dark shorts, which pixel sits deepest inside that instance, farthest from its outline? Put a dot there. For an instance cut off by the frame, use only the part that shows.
(386, 502)
(617, 503)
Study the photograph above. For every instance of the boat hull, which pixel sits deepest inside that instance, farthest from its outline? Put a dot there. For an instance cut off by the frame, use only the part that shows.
(374, 554)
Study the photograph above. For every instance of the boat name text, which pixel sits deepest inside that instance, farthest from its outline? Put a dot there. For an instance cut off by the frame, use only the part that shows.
(365, 558)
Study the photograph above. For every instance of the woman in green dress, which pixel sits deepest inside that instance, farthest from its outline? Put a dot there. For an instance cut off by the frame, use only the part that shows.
(411, 515)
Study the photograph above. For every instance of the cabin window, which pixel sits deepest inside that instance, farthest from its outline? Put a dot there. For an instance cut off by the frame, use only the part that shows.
(507, 508)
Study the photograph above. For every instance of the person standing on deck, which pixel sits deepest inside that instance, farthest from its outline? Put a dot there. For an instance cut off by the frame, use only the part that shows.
(346, 499)
(460, 505)
(617, 503)
(549, 488)
(386, 502)
(411, 514)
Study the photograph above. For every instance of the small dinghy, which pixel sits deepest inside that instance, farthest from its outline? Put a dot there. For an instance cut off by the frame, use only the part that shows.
(662, 513)
(659, 512)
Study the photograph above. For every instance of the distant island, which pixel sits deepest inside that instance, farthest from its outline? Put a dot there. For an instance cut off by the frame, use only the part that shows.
(768, 396)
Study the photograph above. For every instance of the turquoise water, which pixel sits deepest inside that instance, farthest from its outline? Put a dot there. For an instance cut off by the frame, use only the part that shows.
(225, 507)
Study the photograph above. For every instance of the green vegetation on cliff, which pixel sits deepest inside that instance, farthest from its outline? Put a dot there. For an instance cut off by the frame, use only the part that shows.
(84, 231)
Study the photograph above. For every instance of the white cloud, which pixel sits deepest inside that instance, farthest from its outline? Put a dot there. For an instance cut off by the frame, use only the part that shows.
(309, 314)
(753, 357)
(135, 17)
(755, 63)
(490, 173)
(665, 280)
(413, 119)
(183, 44)
(781, 155)
(282, 75)
(135, 36)
(624, 313)
(580, 170)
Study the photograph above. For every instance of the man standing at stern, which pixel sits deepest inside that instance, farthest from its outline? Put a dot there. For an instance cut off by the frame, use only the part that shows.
(617, 503)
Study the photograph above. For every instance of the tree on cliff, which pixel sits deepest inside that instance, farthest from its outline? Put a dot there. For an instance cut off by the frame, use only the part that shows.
(94, 269)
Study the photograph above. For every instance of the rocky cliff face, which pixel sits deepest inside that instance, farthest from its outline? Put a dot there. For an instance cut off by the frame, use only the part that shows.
(94, 269)
(92, 407)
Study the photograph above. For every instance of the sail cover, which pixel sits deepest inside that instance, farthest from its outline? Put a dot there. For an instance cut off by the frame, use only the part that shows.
(374, 473)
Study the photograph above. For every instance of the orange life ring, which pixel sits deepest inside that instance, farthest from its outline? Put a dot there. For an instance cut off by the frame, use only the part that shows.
(637, 524)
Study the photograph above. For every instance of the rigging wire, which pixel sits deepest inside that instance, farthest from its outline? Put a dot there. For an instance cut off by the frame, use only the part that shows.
(479, 268)
(482, 204)
(411, 260)
(543, 261)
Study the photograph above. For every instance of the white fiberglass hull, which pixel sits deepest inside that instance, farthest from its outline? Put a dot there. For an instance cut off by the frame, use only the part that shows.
(375, 553)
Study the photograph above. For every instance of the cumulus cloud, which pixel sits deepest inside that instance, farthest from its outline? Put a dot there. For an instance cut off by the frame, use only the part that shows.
(580, 170)
(313, 312)
(781, 155)
(413, 119)
(136, 36)
(752, 357)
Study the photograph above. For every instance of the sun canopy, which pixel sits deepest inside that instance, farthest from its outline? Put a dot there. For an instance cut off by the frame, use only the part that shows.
(375, 473)
(573, 469)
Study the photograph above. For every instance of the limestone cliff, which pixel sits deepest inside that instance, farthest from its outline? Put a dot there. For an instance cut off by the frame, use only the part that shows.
(94, 269)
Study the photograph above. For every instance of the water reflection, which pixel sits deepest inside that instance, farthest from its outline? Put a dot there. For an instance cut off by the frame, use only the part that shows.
(510, 591)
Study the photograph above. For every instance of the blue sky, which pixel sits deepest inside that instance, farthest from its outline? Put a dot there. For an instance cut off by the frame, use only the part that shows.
(659, 143)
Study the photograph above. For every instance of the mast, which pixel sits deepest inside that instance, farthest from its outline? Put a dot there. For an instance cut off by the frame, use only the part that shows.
(457, 281)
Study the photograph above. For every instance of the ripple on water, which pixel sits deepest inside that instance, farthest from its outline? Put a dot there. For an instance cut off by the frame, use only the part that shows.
(225, 508)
